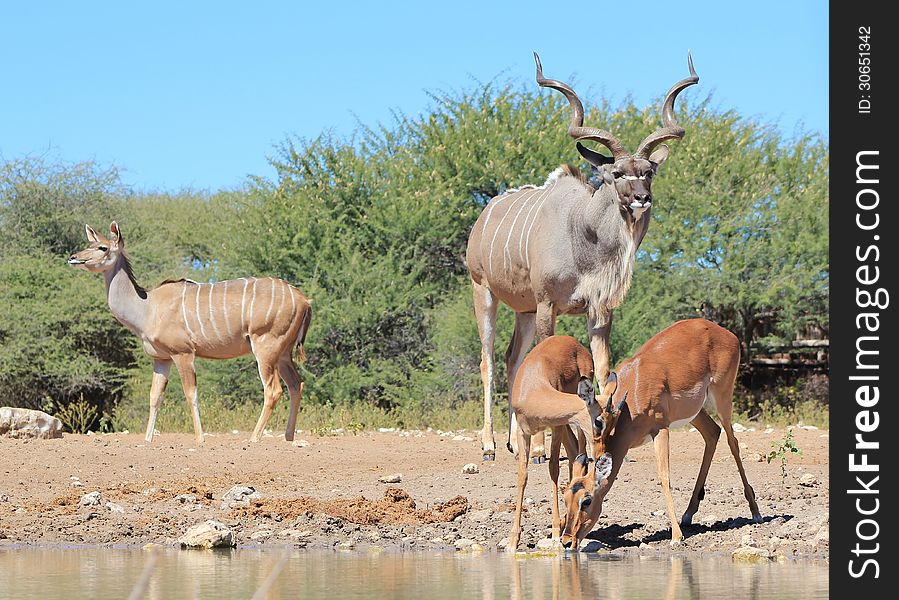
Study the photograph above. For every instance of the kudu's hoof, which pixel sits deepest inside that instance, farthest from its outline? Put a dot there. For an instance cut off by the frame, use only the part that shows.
(538, 460)
(509, 447)
(489, 456)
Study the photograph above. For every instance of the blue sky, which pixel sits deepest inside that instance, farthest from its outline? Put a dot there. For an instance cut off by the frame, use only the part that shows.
(196, 94)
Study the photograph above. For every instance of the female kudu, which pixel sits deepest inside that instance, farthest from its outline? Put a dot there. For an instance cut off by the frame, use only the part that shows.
(182, 319)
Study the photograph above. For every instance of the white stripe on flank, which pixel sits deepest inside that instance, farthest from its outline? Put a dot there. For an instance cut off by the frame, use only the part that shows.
(527, 239)
(190, 331)
(218, 334)
(199, 320)
(252, 300)
(283, 291)
(243, 301)
(490, 212)
(498, 227)
(225, 307)
(293, 302)
(271, 302)
(526, 218)
(512, 229)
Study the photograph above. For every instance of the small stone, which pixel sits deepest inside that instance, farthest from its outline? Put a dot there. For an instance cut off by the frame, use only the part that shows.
(747, 540)
(395, 478)
(90, 499)
(709, 519)
(186, 498)
(239, 496)
(751, 554)
(754, 457)
(300, 443)
(346, 546)
(588, 545)
(768, 430)
(4, 498)
(464, 543)
(548, 544)
(658, 513)
(502, 544)
(470, 469)
(808, 480)
(211, 534)
(739, 428)
(76, 484)
(261, 535)
(116, 508)
(504, 517)
(528, 501)
(479, 516)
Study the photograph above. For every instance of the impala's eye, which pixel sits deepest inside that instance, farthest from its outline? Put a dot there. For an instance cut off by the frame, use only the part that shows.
(585, 502)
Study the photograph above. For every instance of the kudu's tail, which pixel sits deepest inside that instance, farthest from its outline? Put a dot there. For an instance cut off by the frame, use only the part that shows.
(301, 334)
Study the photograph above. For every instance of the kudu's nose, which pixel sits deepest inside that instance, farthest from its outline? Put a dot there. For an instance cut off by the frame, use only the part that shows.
(644, 198)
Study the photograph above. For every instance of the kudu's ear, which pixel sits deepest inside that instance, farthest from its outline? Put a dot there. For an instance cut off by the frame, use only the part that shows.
(92, 236)
(593, 157)
(622, 403)
(611, 385)
(116, 234)
(658, 156)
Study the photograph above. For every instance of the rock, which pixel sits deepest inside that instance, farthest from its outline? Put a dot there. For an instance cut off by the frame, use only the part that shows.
(658, 513)
(502, 544)
(27, 423)
(739, 428)
(116, 508)
(395, 478)
(470, 469)
(751, 554)
(476, 547)
(346, 546)
(239, 496)
(808, 480)
(504, 517)
(300, 443)
(709, 519)
(186, 498)
(211, 534)
(822, 537)
(588, 545)
(261, 535)
(4, 498)
(754, 457)
(76, 484)
(90, 499)
(747, 540)
(479, 516)
(464, 543)
(548, 544)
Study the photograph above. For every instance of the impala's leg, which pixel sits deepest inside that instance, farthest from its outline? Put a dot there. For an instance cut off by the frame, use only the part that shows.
(272, 390)
(524, 443)
(661, 443)
(723, 396)
(185, 365)
(161, 370)
(545, 327)
(710, 433)
(522, 338)
(294, 383)
(599, 328)
(485, 315)
(556, 444)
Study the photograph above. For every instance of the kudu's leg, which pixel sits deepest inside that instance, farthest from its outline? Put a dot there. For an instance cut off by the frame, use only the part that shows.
(295, 385)
(572, 445)
(559, 433)
(661, 443)
(723, 396)
(710, 433)
(185, 365)
(545, 327)
(524, 443)
(272, 390)
(161, 370)
(522, 338)
(599, 328)
(485, 315)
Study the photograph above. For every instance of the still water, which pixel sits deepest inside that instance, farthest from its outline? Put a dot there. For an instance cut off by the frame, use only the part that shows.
(73, 573)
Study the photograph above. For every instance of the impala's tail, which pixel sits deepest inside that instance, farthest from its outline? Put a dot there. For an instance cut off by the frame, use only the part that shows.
(304, 329)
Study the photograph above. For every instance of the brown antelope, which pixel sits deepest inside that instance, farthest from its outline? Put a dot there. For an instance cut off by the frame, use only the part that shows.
(566, 247)
(553, 388)
(181, 319)
(666, 384)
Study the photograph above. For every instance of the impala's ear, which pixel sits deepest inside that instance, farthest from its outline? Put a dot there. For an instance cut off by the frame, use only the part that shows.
(116, 234)
(658, 156)
(92, 236)
(581, 461)
(593, 157)
(586, 391)
(603, 468)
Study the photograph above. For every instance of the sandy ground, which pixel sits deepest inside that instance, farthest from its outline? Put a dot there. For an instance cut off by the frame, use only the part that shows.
(327, 493)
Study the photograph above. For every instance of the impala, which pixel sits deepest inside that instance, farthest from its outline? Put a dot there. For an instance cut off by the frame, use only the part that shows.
(181, 319)
(566, 247)
(554, 388)
(666, 384)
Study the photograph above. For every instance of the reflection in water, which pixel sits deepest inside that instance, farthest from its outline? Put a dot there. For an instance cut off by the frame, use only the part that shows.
(113, 573)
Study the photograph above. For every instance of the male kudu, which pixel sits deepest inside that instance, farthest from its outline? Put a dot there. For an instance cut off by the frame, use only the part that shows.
(666, 383)
(180, 320)
(565, 247)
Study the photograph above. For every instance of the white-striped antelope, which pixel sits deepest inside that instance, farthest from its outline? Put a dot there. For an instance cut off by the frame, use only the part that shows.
(566, 247)
(181, 320)
(664, 385)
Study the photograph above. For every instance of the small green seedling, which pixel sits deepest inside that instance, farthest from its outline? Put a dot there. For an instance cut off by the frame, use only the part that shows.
(782, 450)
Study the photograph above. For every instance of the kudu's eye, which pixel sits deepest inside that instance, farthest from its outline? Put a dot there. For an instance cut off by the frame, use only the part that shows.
(102, 248)
(617, 174)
